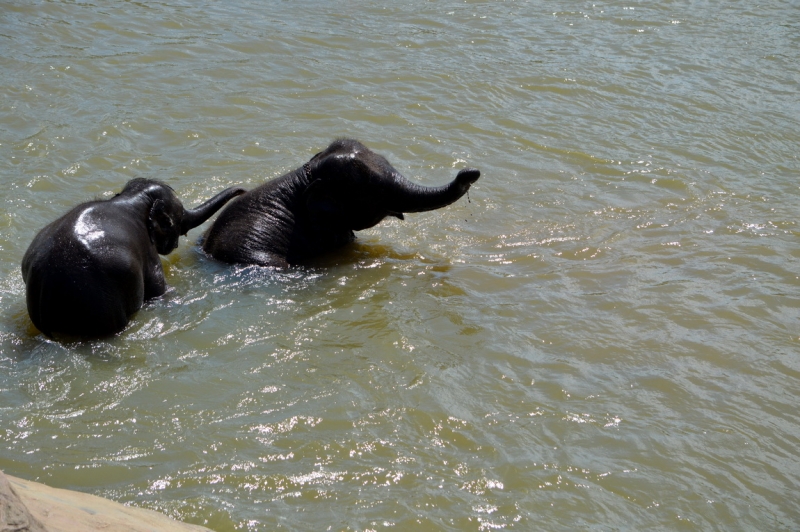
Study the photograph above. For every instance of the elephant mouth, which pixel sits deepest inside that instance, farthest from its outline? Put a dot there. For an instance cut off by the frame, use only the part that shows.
(398, 215)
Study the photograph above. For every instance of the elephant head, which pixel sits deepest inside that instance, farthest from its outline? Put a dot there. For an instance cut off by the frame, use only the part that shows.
(353, 187)
(167, 219)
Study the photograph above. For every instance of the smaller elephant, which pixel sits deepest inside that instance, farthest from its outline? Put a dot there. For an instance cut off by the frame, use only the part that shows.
(89, 271)
(315, 208)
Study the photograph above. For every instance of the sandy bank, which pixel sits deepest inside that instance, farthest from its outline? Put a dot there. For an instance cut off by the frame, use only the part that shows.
(27, 506)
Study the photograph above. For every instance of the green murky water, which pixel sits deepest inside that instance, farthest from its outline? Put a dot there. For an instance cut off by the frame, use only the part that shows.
(605, 335)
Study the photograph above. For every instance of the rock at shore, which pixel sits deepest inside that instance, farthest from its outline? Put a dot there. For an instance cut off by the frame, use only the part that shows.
(27, 506)
(14, 515)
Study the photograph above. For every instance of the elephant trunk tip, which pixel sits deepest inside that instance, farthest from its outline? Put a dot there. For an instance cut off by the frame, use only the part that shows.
(467, 176)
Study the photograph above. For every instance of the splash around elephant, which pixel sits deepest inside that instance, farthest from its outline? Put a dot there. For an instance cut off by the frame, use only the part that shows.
(87, 272)
(315, 208)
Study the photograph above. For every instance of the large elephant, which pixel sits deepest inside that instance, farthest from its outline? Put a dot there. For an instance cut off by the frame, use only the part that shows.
(87, 272)
(315, 208)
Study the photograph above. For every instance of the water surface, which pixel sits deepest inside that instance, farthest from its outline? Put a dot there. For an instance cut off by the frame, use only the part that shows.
(604, 334)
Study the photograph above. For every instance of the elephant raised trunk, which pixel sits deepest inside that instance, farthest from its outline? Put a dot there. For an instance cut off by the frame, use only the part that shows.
(194, 217)
(410, 197)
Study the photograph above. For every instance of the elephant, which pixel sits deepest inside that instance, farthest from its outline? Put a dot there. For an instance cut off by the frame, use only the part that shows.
(315, 208)
(90, 270)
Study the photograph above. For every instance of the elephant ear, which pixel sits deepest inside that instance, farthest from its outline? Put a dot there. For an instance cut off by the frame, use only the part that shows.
(321, 200)
(161, 228)
(337, 188)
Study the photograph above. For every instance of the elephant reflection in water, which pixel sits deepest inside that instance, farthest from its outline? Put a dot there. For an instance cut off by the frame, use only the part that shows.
(87, 272)
(315, 208)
